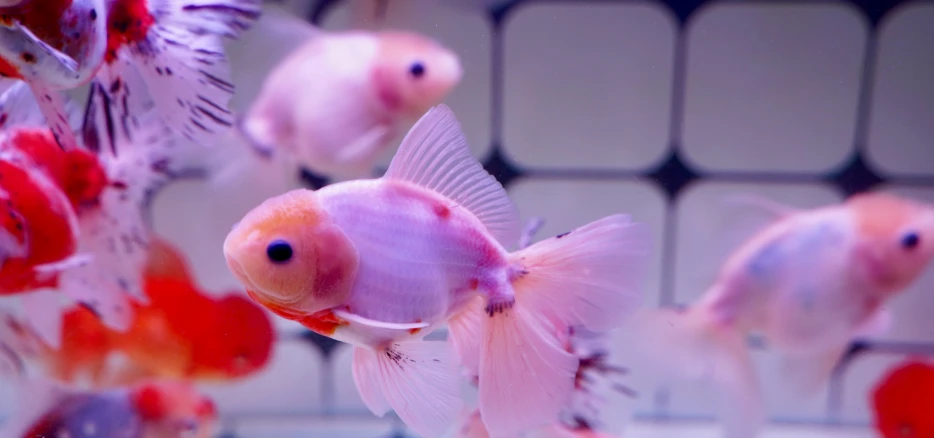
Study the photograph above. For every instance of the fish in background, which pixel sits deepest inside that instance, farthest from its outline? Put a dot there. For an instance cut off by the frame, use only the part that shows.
(74, 223)
(810, 283)
(175, 45)
(903, 399)
(181, 333)
(381, 263)
(151, 409)
(334, 104)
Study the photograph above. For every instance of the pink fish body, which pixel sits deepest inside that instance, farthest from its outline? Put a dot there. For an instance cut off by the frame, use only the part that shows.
(392, 258)
(334, 104)
(810, 283)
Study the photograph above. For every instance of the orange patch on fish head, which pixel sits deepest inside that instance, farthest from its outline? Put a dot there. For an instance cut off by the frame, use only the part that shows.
(174, 408)
(290, 256)
(896, 239)
(414, 73)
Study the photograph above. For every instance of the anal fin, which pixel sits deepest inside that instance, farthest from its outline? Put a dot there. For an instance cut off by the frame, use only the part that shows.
(419, 380)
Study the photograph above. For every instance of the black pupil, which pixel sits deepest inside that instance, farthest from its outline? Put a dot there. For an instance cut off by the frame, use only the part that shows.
(911, 241)
(417, 70)
(279, 251)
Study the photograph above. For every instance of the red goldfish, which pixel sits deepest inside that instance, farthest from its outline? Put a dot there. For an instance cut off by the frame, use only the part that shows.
(809, 283)
(152, 409)
(903, 401)
(73, 219)
(336, 102)
(380, 263)
(180, 333)
(176, 45)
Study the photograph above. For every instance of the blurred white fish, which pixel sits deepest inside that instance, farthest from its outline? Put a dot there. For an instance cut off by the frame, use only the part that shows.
(811, 282)
(336, 102)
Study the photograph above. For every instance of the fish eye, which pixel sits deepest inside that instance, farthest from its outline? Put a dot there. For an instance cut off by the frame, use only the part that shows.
(911, 240)
(417, 69)
(279, 251)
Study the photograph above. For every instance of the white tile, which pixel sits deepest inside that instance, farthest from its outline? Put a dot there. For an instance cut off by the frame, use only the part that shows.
(316, 428)
(709, 430)
(901, 135)
(710, 226)
(860, 379)
(468, 35)
(588, 85)
(773, 86)
(913, 307)
(567, 204)
(346, 397)
(290, 384)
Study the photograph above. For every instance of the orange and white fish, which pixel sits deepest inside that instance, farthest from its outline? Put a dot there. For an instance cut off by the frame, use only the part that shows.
(380, 263)
(89, 240)
(152, 409)
(337, 101)
(176, 45)
(810, 283)
(180, 333)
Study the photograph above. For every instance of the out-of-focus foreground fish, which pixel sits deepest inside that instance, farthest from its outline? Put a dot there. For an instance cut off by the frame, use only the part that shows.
(810, 283)
(336, 102)
(180, 333)
(175, 45)
(152, 409)
(903, 399)
(380, 263)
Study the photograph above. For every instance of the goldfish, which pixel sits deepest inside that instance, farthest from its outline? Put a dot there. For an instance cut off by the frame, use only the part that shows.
(152, 409)
(903, 399)
(380, 263)
(334, 104)
(180, 333)
(176, 45)
(810, 283)
(74, 220)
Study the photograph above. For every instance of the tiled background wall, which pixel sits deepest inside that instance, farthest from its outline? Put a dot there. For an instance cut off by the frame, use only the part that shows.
(660, 109)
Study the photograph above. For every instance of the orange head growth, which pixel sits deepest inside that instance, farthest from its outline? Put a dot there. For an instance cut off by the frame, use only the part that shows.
(290, 256)
(896, 238)
(167, 262)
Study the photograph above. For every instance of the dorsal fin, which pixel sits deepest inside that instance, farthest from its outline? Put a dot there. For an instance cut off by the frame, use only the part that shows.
(435, 155)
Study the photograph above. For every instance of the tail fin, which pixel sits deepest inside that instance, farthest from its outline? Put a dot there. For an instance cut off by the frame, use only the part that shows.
(419, 380)
(136, 152)
(690, 345)
(590, 277)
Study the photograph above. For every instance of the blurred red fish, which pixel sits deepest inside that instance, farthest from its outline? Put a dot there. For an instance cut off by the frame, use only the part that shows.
(73, 220)
(152, 409)
(903, 401)
(181, 333)
(176, 45)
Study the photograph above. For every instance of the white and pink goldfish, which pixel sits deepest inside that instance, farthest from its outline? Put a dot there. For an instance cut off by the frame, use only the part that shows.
(152, 409)
(99, 261)
(175, 45)
(335, 103)
(810, 283)
(380, 263)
